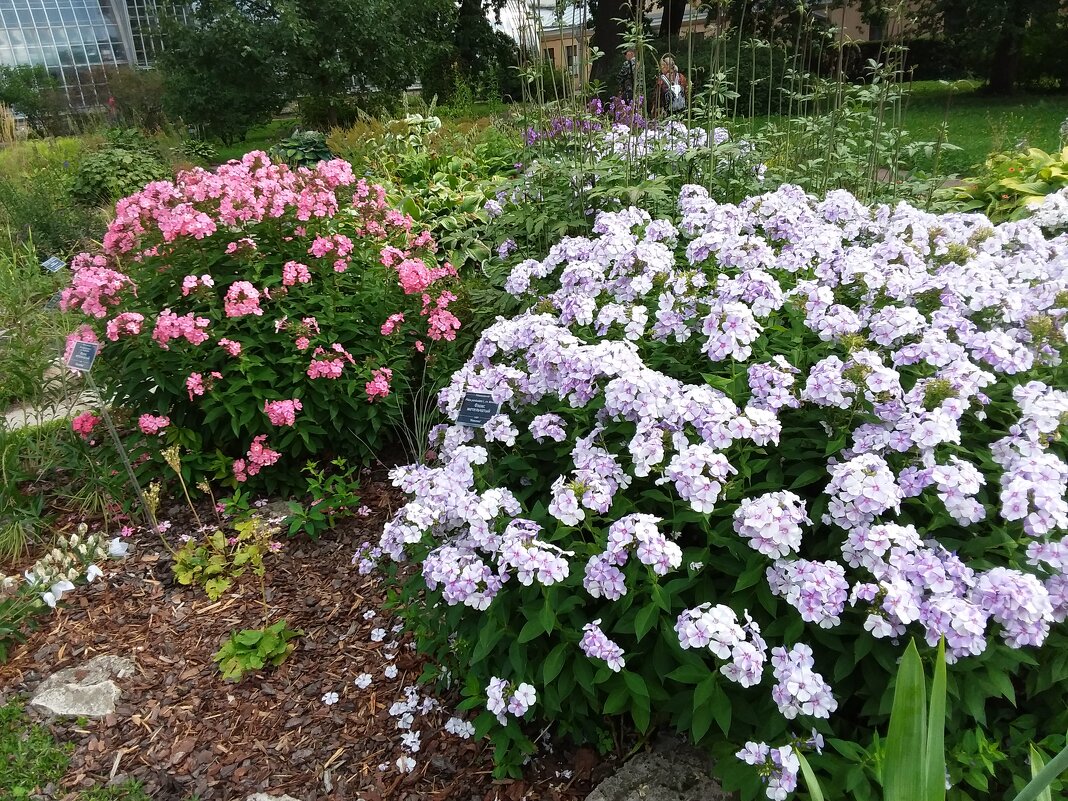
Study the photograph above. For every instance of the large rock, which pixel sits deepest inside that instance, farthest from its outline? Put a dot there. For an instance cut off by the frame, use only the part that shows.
(672, 771)
(86, 690)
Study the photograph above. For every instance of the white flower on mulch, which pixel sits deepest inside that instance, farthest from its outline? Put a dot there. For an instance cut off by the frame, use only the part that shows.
(369, 614)
(410, 741)
(363, 681)
(405, 764)
(377, 635)
(390, 672)
(330, 698)
(118, 549)
(461, 728)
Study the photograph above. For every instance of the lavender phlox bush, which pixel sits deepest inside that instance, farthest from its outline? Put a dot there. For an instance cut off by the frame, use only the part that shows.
(666, 375)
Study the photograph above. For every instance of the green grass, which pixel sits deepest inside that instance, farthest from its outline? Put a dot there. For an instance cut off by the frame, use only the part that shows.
(981, 124)
(262, 137)
(30, 758)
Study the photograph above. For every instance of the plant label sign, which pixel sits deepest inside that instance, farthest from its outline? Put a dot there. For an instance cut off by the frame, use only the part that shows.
(82, 356)
(476, 409)
(53, 264)
(54, 301)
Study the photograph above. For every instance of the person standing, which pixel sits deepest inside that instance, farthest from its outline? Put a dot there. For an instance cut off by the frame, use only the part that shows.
(626, 76)
(672, 89)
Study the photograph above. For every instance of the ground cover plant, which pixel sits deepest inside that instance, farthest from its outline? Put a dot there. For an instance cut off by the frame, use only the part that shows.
(259, 314)
(737, 461)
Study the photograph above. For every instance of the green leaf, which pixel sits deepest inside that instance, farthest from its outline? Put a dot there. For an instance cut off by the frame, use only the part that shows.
(689, 674)
(636, 684)
(554, 663)
(531, 630)
(547, 617)
(902, 781)
(815, 792)
(1037, 763)
(934, 763)
(645, 620)
(1041, 780)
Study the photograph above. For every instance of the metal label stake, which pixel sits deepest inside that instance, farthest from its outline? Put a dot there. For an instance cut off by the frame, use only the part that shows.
(81, 359)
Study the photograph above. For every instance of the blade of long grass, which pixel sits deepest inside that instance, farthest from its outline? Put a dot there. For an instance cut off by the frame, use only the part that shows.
(814, 791)
(1037, 763)
(1044, 778)
(903, 764)
(934, 762)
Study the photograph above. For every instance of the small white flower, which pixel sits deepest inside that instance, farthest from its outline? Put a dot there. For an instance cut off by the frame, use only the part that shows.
(390, 672)
(117, 548)
(695, 566)
(405, 764)
(461, 728)
(363, 681)
(49, 599)
(92, 573)
(410, 741)
(383, 766)
(330, 698)
(377, 635)
(398, 628)
(369, 614)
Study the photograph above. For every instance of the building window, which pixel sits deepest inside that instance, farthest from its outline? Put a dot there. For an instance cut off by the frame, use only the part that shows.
(572, 55)
(550, 54)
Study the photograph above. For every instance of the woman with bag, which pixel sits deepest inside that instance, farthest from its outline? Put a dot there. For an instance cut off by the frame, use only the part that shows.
(672, 89)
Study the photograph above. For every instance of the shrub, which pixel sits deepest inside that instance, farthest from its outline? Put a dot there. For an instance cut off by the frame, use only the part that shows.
(1012, 184)
(124, 165)
(749, 454)
(302, 149)
(265, 314)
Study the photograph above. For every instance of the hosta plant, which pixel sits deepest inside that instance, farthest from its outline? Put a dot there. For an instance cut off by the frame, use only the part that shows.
(255, 649)
(737, 461)
(260, 314)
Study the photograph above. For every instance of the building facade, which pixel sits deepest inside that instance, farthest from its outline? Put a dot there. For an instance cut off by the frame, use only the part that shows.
(79, 41)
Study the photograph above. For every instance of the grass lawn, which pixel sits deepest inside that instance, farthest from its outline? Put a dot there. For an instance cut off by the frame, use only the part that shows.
(262, 137)
(981, 124)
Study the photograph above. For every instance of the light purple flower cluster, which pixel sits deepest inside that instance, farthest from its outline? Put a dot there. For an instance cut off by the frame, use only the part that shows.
(717, 629)
(647, 356)
(778, 767)
(596, 645)
(772, 523)
(502, 696)
(799, 690)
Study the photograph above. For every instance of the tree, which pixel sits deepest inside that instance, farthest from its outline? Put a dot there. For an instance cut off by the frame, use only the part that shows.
(993, 34)
(348, 54)
(34, 92)
(223, 68)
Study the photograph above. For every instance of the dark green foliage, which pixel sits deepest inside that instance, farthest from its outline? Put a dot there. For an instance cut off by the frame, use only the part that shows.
(119, 169)
(224, 70)
(33, 91)
(302, 149)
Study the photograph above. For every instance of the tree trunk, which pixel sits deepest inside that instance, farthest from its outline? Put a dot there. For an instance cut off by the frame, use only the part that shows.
(671, 21)
(607, 37)
(1005, 62)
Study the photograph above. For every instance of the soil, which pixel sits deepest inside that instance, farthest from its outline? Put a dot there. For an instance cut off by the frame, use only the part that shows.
(182, 731)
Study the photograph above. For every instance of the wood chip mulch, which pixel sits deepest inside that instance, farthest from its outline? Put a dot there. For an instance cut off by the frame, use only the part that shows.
(182, 731)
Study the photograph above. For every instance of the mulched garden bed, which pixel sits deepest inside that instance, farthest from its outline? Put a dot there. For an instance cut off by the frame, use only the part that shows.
(183, 731)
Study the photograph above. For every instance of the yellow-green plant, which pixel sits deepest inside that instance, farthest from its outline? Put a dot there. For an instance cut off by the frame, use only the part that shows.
(253, 649)
(1011, 184)
(217, 559)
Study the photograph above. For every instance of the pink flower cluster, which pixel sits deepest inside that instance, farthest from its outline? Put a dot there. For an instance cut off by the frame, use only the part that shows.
(191, 283)
(325, 366)
(152, 424)
(84, 424)
(293, 272)
(283, 412)
(378, 386)
(94, 286)
(196, 385)
(169, 326)
(502, 697)
(128, 323)
(259, 456)
(242, 298)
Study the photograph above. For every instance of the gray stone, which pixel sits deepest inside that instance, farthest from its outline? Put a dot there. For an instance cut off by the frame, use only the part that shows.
(672, 771)
(266, 797)
(86, 690)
